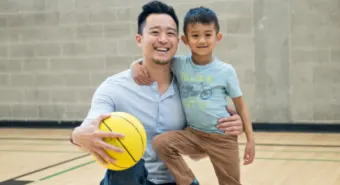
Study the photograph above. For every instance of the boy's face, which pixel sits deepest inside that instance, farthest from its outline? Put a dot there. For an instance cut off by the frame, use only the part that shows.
(159, 40)
(201, 38)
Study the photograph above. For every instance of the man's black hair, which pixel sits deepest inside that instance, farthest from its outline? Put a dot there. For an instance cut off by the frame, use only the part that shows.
(155, 7)
(201, 15)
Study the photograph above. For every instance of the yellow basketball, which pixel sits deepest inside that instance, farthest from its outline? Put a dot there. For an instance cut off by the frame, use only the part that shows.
(133, 143)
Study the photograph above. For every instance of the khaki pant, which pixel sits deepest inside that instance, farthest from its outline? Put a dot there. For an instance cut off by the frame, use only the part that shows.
(222, 150)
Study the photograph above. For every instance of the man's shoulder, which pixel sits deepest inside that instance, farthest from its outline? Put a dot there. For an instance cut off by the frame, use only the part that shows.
(116, 80)
(124, 76)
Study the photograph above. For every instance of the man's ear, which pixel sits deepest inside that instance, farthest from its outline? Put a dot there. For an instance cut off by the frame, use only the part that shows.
(139, 40)
(184, 39)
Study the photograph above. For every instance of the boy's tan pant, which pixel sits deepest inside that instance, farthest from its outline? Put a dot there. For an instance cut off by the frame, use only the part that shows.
(222, 150)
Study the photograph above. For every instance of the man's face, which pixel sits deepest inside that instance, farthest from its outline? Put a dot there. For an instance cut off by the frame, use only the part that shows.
(159, 40)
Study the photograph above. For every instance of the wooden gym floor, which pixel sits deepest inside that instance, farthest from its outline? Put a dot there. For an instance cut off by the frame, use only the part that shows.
(45, 157)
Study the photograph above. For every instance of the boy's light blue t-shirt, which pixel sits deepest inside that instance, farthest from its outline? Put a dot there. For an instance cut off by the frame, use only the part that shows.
(204, 89)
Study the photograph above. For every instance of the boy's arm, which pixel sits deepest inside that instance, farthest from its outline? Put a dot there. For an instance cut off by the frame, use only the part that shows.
(242, 110)
(234, 91)
(139, 73)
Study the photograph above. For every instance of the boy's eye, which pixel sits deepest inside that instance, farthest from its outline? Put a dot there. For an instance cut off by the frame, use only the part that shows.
(208, 35)
(194, 35)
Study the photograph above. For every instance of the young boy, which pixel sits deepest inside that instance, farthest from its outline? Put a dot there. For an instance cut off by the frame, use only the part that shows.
(204, 82)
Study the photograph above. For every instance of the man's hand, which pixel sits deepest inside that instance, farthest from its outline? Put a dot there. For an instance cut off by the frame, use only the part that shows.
(140, 75)
(231, 125)
(90, 138)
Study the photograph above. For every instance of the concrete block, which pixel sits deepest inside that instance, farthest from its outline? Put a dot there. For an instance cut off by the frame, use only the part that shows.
(23, 80)
(35, 65)
(63, 95)
(3, 51)
(76, 112)
(11, 95)
(22, 50)
(74, 18)
(48, 49)
(239, 25)
(6, 111)
(4, 79)
(37, 95)
(77, 64)
(327, 74)
(77, 79)
(10, 65)
(59, 5)
(50, 80)
(51, 112)
(119, 31)
(309, 57)
(240, 8)
(90, 32)
(102, 16)
(300, 74)
(25, 111)
(335, 56)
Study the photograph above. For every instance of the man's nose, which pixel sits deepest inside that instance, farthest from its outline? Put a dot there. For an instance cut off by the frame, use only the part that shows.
(163, 38)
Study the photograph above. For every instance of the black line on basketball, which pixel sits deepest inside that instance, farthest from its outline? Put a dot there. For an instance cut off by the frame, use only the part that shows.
(135, 128)
(111, 138)
(140, 135)
(121, 142)
(127, 150)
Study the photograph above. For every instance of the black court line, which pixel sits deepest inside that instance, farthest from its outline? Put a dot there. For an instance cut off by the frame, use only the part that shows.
(42, 169)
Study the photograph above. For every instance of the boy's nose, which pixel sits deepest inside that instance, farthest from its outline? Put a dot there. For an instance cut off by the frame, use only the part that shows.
(201, 41)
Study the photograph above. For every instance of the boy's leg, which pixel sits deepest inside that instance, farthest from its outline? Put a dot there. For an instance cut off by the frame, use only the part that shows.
(223, 152)
(136, 175)
(169, 147)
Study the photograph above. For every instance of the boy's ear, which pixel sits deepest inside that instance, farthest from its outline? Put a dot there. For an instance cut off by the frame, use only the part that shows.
(184, 39)
(139, 40)
(219, 36)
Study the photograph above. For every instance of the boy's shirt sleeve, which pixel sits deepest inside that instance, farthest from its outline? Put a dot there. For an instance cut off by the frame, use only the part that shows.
(177, 64)
(232, 86)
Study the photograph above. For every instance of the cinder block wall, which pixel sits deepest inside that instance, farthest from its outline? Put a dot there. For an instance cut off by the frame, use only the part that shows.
(54, 53)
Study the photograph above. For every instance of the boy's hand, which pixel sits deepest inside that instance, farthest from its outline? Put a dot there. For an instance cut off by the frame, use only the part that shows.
(249, 153)
(140, 75)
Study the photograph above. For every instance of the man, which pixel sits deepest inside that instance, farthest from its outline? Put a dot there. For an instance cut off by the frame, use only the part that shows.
(157, 106)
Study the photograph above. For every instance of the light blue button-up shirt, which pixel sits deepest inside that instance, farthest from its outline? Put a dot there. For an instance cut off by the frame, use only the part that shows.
(158, 113)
